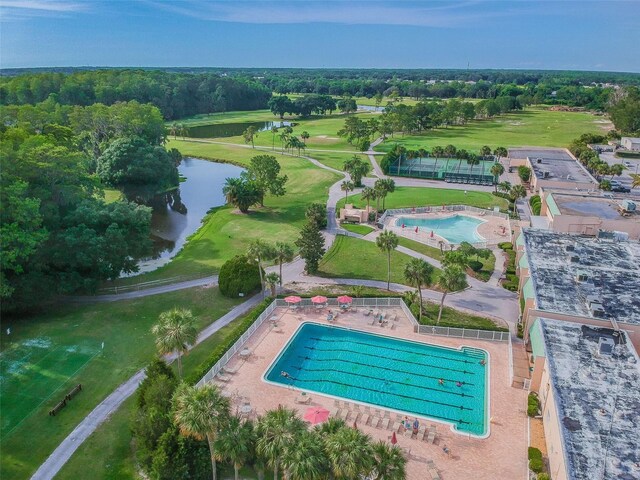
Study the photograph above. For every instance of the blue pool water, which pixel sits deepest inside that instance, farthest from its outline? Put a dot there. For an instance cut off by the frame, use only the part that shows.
(394, 374)
(455, 229)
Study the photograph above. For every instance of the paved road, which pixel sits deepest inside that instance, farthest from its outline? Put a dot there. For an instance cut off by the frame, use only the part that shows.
(484, 298)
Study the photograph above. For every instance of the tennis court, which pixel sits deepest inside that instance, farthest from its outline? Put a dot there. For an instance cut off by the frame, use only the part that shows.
(33, 372)
(447, 169)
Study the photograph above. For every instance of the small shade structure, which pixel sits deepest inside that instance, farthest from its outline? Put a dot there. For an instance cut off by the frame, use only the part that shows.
(292, 299)
(394, 440)
(315, 415)
(319, 299)
(345, 299)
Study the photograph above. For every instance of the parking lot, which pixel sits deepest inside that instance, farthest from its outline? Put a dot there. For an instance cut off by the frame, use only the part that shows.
(632, 166)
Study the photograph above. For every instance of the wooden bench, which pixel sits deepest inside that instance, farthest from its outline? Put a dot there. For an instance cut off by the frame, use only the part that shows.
(74, 391)
(58, 407)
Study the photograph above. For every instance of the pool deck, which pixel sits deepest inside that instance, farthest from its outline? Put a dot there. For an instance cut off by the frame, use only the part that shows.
(502, 454)
(490, 229)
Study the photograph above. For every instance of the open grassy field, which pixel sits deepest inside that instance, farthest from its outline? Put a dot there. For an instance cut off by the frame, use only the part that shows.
(351, 257)
(49, 353)
(532, 127)
(226, 232)
(408, 197)
(108, 449)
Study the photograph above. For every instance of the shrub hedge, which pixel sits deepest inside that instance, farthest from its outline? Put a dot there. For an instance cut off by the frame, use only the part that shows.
(511, 281)
(533, 405)
(536, 204)
(536, 464)
(237, 276)
(217, 353)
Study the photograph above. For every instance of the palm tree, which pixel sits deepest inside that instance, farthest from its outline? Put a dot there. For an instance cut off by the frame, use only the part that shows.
(274, 130)
(350, 453)
(235, 443)
(386, 186)
(451, 279)
(517, 191)
(260, 250)
(496, 170)
(485, 151)
(175, 332)
(504, 186)
(346, 187)
(357, 168)
(305, 136)
(306, 458)
(636, 181)
(418, 274)
(436, 152)
(500, 152)
(461, 155)
(283, 253)
(387, 241)
(389, 463)
(249, 135)
(368, 194)
(331, 426)
(200, 413)
(272, 279)
(357, 291)
(231, 189)
(450, 151)
(277, 431)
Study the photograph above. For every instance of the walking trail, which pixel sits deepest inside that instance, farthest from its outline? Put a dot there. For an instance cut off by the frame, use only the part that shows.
(486, 299)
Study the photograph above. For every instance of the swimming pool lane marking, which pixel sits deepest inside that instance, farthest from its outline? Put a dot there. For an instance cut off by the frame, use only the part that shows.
(382, 368)
(388, 348)
(457, 394)
(394, 359)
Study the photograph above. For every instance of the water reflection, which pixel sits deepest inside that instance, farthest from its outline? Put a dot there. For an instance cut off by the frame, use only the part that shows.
(178, 214)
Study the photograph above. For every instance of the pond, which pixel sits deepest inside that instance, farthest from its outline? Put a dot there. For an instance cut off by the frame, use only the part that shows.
(216, 130)
(370, 108)
(179, 214)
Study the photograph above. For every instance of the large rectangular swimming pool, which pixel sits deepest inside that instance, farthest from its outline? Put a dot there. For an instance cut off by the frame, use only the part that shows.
(429, 381)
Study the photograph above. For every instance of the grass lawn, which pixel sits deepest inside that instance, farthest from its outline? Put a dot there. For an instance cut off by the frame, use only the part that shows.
(534, 126)
(407, 197)
(351, 257)
(355, 228)
(484, 275)
(323, 130)
(51, 352)
(108, 449)
(455, 318)
(226, 232)
(335, 159)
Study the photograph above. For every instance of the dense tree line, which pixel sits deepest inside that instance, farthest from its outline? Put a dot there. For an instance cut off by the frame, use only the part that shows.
(58, 234)
(625, 111)
(177, 95)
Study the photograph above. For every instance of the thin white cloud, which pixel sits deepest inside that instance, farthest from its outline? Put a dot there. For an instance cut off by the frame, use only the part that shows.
(11, 10)
(427, 14)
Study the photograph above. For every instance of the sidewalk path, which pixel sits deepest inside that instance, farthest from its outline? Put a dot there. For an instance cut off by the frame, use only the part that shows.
(98, 415)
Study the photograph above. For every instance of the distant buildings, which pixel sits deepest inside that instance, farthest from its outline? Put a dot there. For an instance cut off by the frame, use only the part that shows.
(589, 213)
(552, 168)
(630, 143)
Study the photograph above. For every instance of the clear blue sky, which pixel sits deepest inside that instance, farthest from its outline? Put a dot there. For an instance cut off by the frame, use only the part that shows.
(583, 35)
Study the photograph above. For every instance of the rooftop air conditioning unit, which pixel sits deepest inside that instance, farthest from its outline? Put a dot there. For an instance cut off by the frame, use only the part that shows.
(538, 160)
(606, 346)
(628, 205)
(582, 276)
(575, 259)
(570, 248)
(546, 174)
(597, 310)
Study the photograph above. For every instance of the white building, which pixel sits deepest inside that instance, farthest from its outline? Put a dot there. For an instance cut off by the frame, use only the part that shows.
(630, 143)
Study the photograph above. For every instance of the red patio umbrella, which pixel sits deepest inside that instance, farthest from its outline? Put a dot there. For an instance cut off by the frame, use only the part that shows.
(345, 299)
(394, 440)
(315, 415)
(319, 299)
(292, 299)
(431, 233)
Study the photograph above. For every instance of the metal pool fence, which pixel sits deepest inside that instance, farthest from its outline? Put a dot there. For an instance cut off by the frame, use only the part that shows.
(491, 335)
(306, 302)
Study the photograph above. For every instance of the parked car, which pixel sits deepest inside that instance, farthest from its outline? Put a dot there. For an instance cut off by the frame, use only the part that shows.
(620, 189)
